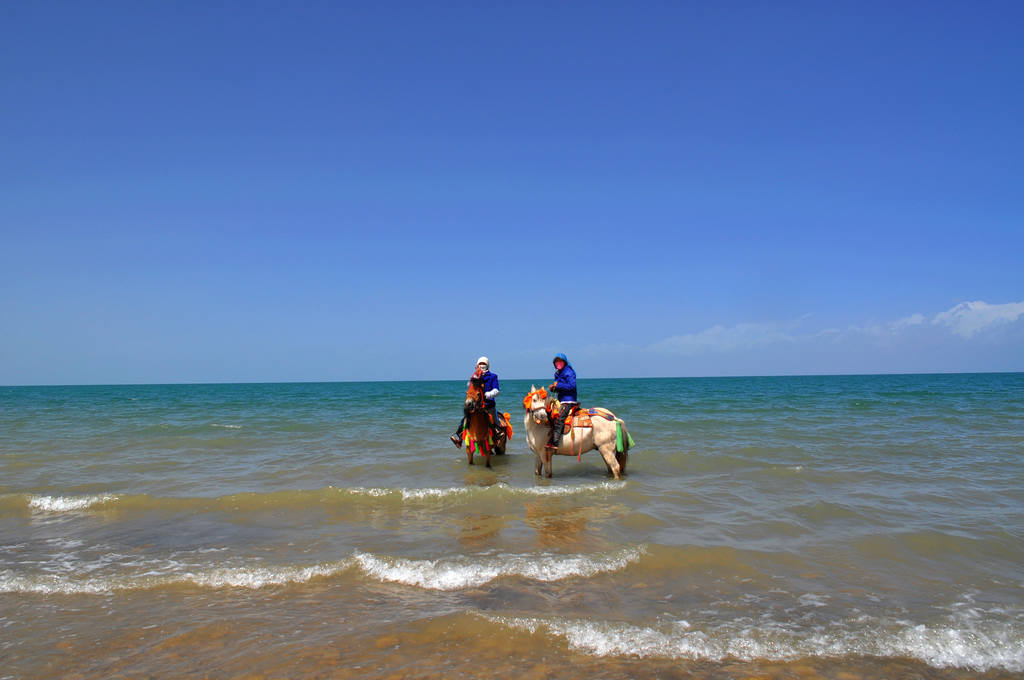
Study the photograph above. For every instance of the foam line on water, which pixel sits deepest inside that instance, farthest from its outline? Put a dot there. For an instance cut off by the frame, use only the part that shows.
(249, 577)
(977, 645)
(217, 577)
(57, 504)
(54, 504)
(77, 577)
(448, 492)
(469, 572)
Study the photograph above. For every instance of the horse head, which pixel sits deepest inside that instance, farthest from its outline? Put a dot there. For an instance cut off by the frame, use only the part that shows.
(474, 395)
(535, 404)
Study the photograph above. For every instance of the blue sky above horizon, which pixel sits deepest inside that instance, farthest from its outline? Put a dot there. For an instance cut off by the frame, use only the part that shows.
(208, 192)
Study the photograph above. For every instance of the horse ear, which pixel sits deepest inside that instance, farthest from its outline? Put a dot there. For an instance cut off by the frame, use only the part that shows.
(533, 388)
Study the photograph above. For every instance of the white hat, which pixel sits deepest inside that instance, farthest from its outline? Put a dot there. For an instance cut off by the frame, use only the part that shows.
(484, 360)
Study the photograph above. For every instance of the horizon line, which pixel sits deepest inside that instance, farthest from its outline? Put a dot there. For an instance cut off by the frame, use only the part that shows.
(390, 380)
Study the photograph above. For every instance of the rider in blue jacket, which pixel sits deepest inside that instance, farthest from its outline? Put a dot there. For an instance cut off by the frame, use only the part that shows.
(565, 387)
(489, 381)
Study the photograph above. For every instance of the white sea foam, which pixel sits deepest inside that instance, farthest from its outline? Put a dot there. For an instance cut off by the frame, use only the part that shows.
(227, 427)
(224, 577)
(67, 503)
(259, 577)
(570, 490)
(435, 493)
(978, 647)
(374, 493)
(69, 574)
(410, 494)
(51, 585)
(812, 600)
(448, 492)
(469, 572)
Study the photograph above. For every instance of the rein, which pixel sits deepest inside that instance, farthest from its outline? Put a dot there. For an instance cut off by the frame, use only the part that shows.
(543, 394)
(528, 399)
(476, 394)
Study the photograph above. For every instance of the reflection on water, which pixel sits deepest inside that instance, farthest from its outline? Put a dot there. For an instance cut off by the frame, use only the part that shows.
(557, 524)
(477, 530)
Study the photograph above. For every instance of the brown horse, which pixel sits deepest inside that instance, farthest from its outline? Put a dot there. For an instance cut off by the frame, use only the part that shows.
(478, 426)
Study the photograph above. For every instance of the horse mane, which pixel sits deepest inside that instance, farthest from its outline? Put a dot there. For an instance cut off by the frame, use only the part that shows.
(549, 398)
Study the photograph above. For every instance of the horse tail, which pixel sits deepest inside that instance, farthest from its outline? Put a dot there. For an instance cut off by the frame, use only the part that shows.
(623, 440)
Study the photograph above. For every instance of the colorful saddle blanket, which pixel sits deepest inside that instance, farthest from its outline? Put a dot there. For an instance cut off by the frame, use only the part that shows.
(583, 417)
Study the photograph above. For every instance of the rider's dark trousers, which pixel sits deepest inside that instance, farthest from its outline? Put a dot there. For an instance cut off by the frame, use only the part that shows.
(559, 422)
(492, 411)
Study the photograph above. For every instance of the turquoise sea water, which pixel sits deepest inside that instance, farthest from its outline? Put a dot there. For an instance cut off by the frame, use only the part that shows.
(867, 525)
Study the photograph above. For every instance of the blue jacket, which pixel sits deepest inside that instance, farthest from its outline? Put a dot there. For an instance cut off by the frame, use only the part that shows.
(565, 381)
(490, 383)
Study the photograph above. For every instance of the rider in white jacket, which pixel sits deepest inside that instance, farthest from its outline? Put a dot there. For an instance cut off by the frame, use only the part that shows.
(489, 381)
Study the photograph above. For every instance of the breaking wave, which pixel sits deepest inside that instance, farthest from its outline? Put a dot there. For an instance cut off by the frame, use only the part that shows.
(67, 503)
(291, 499)
(957, 643)
(442, 574)
(240, 577)
(502, 489)
(468, 572)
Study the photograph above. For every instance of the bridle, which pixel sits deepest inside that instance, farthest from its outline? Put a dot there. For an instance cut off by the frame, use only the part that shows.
(528, 401)
(475, 398)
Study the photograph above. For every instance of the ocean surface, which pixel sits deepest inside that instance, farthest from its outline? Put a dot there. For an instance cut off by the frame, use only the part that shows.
(796, 527)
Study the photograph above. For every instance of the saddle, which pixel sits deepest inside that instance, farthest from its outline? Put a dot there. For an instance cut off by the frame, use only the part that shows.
(583, 417)
(503, 423)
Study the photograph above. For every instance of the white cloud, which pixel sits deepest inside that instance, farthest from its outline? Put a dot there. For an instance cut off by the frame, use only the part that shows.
(967, 319)
(906, 322)
(744, 336)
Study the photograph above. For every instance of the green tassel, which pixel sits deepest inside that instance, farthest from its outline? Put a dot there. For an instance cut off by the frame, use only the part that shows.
(618, 437)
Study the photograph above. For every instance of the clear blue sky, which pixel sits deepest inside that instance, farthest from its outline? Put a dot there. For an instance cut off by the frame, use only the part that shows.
(250, 191)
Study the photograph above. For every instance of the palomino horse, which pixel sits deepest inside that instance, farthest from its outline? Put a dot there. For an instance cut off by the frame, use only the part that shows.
(477, 435)
(609, 437)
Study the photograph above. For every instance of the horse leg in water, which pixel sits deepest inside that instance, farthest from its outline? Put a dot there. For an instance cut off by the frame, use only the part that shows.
(607, 451)
(483, 452)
